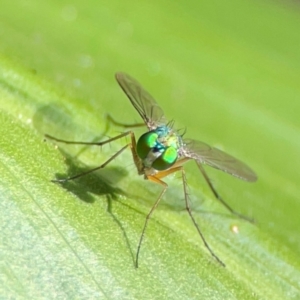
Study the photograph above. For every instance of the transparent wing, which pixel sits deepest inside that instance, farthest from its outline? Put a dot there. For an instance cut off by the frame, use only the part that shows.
(218, 159)
(142, 101)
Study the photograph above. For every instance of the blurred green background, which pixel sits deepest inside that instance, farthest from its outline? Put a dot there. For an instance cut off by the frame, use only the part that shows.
(228, 71)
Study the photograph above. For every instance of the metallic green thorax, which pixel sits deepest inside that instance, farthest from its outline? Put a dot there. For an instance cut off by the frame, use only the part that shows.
(158, 148)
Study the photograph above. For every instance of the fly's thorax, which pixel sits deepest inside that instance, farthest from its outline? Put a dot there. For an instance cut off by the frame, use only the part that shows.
(158, 149)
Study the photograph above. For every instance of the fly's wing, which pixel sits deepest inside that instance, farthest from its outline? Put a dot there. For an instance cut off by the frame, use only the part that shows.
(218, 159)
(142, 101)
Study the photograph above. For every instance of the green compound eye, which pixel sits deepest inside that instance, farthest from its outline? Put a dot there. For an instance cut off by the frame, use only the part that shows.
(145, 143)
(166, 160)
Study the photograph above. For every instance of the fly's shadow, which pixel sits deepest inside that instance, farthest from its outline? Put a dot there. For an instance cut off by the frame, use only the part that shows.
(86, 188)
(95, 183)
(99, 183)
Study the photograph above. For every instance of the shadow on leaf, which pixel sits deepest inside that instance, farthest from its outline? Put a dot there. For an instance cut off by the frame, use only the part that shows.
(86, 187)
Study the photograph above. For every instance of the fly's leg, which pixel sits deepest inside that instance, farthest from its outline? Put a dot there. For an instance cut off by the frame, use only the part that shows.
(218, 197)
(148, 216)
(48, 136)
(187, 206)
(132, 146)
(94, 169)
(113, 121)
(155, 179)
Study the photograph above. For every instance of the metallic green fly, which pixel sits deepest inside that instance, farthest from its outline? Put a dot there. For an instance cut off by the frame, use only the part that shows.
(162, 151)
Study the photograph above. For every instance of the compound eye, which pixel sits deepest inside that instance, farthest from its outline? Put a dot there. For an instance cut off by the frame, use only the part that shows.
(166, 160)
(145, 143)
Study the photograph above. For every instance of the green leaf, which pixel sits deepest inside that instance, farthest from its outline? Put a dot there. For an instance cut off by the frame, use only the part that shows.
(228, 71)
